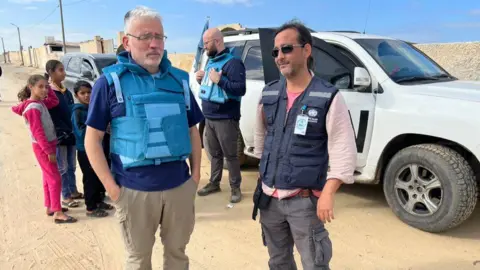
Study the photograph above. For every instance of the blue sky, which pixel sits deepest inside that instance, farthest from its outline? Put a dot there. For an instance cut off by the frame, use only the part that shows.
(421, 21)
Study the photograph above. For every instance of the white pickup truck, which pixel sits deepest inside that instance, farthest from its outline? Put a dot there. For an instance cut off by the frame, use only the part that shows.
(417, 128)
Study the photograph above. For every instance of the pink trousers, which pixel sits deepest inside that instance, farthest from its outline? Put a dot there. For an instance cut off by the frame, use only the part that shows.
(52, 181)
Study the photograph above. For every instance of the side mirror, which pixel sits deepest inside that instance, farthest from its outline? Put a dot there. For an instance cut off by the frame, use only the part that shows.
(361, 78)
(87, 74)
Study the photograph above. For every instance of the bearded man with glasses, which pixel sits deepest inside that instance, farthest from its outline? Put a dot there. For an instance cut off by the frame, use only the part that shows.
(153, 118)
(307, 147)
(222, 85)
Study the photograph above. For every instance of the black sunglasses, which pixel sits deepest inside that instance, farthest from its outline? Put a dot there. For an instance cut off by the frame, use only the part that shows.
(285, 49)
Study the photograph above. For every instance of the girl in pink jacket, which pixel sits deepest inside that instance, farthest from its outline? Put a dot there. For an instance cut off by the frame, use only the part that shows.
(36, 100)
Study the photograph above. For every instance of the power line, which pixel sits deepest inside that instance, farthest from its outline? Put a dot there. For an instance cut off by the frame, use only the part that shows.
(50, 14)
(74, 3)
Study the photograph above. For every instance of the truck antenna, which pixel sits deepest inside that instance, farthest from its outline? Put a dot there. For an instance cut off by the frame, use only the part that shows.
(368, 13)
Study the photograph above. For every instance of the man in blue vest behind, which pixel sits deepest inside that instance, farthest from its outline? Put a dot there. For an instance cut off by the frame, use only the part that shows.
(222, 85)
(153, 118)
(308, 150)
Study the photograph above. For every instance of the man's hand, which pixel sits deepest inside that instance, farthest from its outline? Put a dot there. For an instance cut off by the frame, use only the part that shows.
(325, 207)
(199, 75)
(114, 192)
(215, 76)
(196, 177)
(52, 158)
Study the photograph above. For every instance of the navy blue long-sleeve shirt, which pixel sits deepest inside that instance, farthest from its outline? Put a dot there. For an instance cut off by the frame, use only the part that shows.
(233, 81)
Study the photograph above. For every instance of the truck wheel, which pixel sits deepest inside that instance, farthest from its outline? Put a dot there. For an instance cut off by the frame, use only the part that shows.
(430, 187)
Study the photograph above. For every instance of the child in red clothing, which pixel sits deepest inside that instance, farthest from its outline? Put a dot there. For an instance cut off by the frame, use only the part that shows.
(36, 100)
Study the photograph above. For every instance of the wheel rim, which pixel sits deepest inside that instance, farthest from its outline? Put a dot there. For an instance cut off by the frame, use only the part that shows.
(418, 190)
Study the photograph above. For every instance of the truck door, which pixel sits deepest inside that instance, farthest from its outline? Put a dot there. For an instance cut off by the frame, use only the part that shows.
(254, 73)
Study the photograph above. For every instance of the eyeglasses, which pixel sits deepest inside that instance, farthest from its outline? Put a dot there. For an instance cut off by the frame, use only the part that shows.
(149, 37)
(288, 48)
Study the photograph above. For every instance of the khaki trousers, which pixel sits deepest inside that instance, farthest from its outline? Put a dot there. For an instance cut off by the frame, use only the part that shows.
(140, 213)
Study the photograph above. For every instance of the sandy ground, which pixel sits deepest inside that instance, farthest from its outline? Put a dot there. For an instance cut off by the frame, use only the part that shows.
(365, 233)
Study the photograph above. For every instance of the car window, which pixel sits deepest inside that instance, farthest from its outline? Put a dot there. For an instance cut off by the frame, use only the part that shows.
(327, 67)
(74, 65)
(86, 66)
(253, 64)
(326, 64)
(65, 61)
(238, 47)
(353, 59)
(104, 62)
(400, 60)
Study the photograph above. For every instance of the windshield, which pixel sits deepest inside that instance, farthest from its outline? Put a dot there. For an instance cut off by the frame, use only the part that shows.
(104, 62)
(401, 61)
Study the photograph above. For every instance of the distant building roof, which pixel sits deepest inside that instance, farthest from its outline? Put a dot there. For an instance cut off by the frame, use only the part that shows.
(60, 43)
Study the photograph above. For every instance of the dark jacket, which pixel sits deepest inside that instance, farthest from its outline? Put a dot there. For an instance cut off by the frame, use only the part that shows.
(234, 70)
(79, 117)
(62, 117)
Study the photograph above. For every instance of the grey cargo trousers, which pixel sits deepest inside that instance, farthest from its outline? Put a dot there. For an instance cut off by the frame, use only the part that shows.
(221, 137)
(294, 221)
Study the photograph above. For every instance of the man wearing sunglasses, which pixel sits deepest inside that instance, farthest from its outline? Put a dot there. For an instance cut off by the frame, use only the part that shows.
(222, 85)
(306, 142)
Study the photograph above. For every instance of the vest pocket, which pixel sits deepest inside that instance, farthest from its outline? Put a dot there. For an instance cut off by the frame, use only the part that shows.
(264, 163)
(128, 137)
(177, 135)
(305, 172)
(270, 107)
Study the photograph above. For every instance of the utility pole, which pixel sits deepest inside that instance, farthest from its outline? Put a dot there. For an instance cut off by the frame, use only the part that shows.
(4, 53)
(19, 41)
(63, 29)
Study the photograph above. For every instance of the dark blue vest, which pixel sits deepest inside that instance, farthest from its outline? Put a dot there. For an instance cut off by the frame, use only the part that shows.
(291, 161)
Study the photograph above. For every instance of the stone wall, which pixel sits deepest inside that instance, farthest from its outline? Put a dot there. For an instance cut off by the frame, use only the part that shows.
(37, 57)
(182, 60)
(460, 59)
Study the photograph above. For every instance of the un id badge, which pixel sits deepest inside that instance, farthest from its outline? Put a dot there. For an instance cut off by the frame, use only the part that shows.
(301, 123)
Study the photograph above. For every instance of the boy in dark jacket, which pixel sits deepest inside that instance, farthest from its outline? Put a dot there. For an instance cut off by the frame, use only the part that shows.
(92, 186)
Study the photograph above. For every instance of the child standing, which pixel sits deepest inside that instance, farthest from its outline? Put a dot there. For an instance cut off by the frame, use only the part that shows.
(92, 186)
(36, 100)
(61, 116)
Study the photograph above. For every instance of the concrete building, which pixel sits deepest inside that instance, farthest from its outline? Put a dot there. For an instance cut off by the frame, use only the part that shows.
(54, 46)
(97, 45)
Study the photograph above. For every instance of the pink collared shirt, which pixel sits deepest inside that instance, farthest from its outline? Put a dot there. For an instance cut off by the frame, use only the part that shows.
(342, 149)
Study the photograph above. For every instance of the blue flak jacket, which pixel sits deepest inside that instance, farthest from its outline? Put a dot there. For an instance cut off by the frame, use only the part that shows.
(222, 100)
(104, 108)
(290, 160)
(155, 128)
(210, 91)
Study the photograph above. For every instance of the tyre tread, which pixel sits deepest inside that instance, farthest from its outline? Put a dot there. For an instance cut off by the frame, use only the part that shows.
(465, 180)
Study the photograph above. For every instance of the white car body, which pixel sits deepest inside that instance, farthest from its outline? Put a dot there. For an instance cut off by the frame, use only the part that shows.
(439, 111)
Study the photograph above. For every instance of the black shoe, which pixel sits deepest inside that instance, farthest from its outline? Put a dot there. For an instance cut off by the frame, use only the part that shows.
(209, 189)
(236, 195)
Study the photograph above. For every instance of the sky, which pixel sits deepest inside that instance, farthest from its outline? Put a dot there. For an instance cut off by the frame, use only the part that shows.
(421, 21)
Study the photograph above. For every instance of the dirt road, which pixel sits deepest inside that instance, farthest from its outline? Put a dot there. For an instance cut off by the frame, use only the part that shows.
(365, 233)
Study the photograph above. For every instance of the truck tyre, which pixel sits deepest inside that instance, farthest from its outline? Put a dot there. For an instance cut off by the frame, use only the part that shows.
(430, 187)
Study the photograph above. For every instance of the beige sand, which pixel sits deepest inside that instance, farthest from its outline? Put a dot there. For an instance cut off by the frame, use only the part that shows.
(365, 233)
